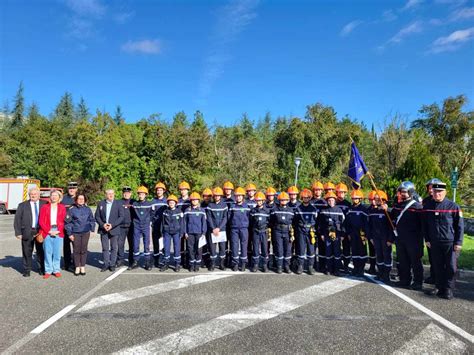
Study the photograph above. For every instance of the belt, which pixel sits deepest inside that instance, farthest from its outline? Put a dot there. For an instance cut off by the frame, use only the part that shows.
(260, 230)
(283, 226)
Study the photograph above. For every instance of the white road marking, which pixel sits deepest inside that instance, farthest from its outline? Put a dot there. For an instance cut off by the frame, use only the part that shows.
(453, 327)
(53, 319)
(434, 338)
(230, 273)
(119, 297)
(116, 274)
(190, 338)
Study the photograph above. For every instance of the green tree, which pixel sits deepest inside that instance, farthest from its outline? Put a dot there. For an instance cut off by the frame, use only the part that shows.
(18, 108)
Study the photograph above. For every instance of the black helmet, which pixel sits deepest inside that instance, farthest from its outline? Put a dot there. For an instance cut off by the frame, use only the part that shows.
(433, 181)
(407, 185)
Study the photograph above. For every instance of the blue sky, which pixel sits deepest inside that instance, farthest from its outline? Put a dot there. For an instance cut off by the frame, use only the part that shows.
(367, 59)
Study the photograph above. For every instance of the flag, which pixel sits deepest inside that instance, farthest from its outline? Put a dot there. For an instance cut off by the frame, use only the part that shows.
(357, 168)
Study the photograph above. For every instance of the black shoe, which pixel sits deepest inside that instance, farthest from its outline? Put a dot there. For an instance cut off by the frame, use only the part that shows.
(299, 271)
(430, 281)
(211, 266)
(431, 291)
(191, 268)
(196, 268)
(235, 267)
(279, 270)
(222, 265)
(447, 294)
(254, 268)
(177, 268)
(41, 272)
(310, 270)
(163, 268)
(26, 274)
(119, 263)
(112, 269)
(157, 262)
(336, 273)
(83, 273)
(324, 271)
(244, 267)
(134, 265)
(104, 269)
(77, 274)
(372, 271)
(287, 269)
(402, 284)
(147, 267)
(416, 286)
(265, 268)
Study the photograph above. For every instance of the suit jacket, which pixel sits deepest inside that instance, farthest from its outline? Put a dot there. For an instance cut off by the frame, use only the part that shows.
(24, 219)
(116, 217)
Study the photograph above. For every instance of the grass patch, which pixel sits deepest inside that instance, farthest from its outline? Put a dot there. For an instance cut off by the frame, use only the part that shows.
(466, 258)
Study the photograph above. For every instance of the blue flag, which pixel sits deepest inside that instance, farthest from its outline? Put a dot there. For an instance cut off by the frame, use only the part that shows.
(357, 168)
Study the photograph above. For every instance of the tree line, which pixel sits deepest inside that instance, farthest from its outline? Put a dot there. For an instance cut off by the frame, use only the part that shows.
(103, 150)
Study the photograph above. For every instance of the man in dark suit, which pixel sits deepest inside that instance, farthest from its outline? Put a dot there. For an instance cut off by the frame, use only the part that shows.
(26, 226)
(109, 216)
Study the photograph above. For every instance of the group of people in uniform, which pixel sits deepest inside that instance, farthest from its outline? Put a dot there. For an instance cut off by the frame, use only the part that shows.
(317, 229)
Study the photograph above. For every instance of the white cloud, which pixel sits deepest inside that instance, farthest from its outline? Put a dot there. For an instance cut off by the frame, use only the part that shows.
(87, 8)
(389, 16)
(123, 17)
(347, 29)
(411, 4)
(232, 20)
(453, 41)
(462, 14)
(414, 27)
(146, 46)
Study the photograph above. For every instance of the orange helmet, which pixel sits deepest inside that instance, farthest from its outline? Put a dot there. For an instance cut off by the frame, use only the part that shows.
(371, 195)
(239, 191)
(160, 185)
(293, 190)
(341, 187)
(207, 192)
(283, 196)
(184, 186)
(228, 185)
(270, 191)
(329, 195)
(172, 198)
(329, 186)
(382, 195)
(357, 194)
(259, 196)
(317, 185)
(306, 193)
(217, 191)
(194, 196)
(251, 187)
(142, 189)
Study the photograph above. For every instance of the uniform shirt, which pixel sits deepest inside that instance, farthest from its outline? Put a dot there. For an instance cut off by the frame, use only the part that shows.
(305, 218)
(183, 204)
(319, 203)
(379, 227)
(356, 220)
(344, 205)
(79, 219)
(281, 217)
(294, 204)
(229, 201)
(159, 205)
(426, 199)
(272, 205)
(172, 221)
(331, 218)
(409, 226)
(239, 215)
(259, 218)
(142, 212)
(195, 221)
(251, 203)
(217, 215)
(442, 222)
(127, 217)
(68, 201)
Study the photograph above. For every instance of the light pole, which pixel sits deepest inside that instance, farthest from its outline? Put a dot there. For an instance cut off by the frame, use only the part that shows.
(297, 164)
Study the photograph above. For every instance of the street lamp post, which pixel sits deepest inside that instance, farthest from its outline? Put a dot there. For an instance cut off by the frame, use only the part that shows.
(297, 164)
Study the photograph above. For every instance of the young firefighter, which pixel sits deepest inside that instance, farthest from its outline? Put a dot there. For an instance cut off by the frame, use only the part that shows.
(305, 224)
(195, 226)
(239, 215)
(319, 202)
(251, 189)
(270, 193)
(141, 218)
(356, 228)
(259, 222)
(206, 200)
(293, 195)
(381, 235)
(183, 204)
(172, 228)
(159, 205)
(344, 205)
(216, 214)
(281, 218)
(372, 257)
(229, 200)
(331, 227)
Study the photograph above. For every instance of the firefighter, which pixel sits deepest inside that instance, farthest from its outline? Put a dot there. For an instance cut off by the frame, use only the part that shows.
(206, 197)
(329, 187)
(195, 228)
(372, 257)
(381, 235)
(239, 215)
(159, 205)
(206, 200)
(443, 230)
(251, 190)
(281, 218)
(331, 227)
(408, 238)
(305, 225)
(126, 229)
(142, 215)
(228, 189)
(318, 200)
(259, 222)
(183, 204)
(356, 230)
(229, 200)
(270, 194)
(172, 229)
(344, 205)
(216, 213)
(293, 194)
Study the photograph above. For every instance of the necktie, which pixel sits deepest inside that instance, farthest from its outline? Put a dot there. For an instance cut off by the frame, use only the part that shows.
(36, 214)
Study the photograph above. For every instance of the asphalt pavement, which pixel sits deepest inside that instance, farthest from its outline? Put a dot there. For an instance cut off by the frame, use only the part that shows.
(143, 311)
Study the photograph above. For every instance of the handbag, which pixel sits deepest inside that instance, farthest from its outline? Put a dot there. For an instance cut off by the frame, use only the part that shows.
(39, 237)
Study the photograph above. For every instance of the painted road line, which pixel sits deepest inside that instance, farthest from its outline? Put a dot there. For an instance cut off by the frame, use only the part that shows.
(453, 327)
(200, 334)
(434, 338)
(125, 296)
(230, 273)
(53, 319)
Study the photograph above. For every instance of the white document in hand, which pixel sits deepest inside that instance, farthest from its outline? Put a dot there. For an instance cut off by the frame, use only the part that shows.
(222, 237)
(202, 241)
